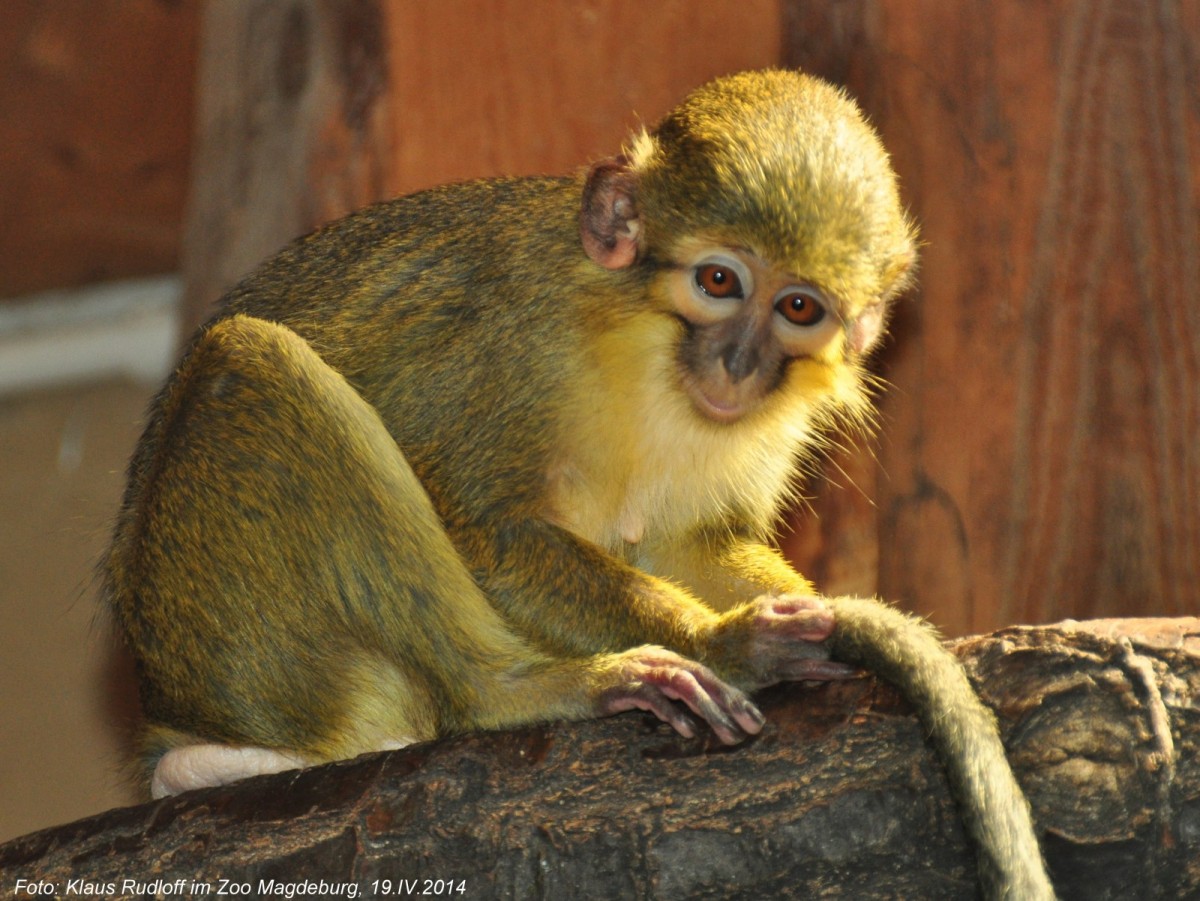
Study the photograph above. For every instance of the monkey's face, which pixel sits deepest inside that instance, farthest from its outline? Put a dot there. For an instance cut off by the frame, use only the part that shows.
(745, 323)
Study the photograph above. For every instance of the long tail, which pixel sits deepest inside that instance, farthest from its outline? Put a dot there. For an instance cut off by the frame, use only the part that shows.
(907, 653)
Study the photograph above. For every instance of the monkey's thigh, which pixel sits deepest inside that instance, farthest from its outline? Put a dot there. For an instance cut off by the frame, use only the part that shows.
(296, 588)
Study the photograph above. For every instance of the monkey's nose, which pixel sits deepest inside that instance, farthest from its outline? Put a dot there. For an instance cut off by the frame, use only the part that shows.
(740, 360)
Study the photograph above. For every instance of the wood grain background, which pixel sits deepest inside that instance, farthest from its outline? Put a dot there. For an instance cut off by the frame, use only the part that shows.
(1040, 454)
(95, 131)
(1037, 456)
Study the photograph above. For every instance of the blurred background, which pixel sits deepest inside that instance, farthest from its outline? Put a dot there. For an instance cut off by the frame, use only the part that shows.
(1039, 449)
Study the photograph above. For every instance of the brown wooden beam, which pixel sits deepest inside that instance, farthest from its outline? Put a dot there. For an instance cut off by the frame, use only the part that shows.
(840, 794)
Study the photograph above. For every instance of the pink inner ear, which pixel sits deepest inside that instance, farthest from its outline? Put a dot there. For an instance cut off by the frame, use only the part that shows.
(608, 222)
(866, 329)
(622, 253)
(611, 252)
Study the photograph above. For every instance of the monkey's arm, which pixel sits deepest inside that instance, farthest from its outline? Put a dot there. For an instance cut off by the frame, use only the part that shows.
(725, 568)
(569, 597)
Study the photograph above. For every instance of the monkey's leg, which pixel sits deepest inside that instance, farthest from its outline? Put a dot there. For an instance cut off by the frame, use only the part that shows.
(286, 585)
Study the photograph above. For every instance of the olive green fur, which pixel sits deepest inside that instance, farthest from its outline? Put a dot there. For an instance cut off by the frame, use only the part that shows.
(340, 525)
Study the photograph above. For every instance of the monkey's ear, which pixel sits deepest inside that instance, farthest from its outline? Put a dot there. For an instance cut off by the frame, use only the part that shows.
(610, 224)
(867, 327)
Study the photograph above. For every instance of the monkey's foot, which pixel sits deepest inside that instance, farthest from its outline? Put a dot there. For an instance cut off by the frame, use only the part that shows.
(653, 678)
(204, 766)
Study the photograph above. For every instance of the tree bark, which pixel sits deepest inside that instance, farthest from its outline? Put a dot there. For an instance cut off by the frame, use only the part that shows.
(840, 796)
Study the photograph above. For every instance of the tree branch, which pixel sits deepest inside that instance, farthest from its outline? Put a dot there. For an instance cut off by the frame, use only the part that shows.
(839, 795)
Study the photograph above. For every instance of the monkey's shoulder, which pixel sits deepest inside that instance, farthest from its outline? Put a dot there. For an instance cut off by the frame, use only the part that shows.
(453, 216)
(434, 249)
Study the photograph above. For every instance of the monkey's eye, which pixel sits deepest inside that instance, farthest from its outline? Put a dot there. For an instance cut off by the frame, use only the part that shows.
(719, 281)
(800, 308)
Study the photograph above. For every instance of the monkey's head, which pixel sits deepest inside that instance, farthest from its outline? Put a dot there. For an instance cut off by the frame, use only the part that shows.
(769, 214)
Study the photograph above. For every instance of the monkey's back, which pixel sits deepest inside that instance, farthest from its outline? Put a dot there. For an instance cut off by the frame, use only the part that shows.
(373, 292)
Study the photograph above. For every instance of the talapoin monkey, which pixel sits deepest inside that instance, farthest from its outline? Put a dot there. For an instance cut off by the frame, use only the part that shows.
(508, 451)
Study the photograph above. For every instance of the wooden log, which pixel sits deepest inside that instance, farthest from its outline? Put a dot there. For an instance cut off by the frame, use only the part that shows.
(840, 796)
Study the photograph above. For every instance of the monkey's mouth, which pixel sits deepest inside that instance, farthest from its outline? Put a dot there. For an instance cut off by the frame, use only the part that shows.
(723, 406)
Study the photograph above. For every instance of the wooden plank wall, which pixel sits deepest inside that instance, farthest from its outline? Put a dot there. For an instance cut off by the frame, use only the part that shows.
(308, 110)
(1038, 456)
(95, 127)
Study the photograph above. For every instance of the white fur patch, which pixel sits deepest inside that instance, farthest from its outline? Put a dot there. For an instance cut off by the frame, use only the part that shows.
(209, 765)
(204, 766)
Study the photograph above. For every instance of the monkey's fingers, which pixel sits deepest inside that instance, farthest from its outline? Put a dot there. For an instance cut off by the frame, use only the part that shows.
(652, 679)
(787, 639)
(794, 617)
(818, 671)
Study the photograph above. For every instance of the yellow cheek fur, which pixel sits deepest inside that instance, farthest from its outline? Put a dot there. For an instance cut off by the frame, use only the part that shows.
(638, 461)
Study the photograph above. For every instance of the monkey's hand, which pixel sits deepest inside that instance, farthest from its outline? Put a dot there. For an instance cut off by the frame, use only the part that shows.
(653, 678)
(777, 638)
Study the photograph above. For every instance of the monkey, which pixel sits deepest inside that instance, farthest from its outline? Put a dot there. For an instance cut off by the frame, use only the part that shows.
(512, 450)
